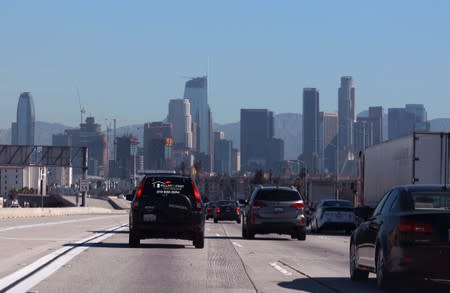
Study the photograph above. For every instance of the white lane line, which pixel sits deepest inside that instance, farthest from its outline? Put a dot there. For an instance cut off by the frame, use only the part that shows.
(237, 244)
(53, 263)
(280, 269)
(53, 223)
(217, 234)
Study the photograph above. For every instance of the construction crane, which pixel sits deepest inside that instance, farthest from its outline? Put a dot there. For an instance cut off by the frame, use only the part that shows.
(82, 110)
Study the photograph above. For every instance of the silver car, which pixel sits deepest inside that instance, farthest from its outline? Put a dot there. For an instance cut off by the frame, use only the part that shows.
(274, 209)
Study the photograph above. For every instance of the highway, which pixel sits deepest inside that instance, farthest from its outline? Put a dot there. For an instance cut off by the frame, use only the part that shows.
(90, 254)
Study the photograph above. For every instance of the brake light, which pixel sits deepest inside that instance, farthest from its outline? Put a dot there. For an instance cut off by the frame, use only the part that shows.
(139, 190)
(218, 210)
(238, 210)
(167, 182)
(298, 206)
(198, 200)
(210, 209)
(411, 227)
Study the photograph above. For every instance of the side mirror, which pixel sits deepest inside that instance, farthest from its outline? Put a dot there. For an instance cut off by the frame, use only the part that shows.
(363, 212)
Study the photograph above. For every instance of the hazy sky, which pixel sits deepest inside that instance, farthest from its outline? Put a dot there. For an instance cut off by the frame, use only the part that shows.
(128, 58)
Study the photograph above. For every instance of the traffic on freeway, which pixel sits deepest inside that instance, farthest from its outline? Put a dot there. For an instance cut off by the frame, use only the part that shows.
(92, 253)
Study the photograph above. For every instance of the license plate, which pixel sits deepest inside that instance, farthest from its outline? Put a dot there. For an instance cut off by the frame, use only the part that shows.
(149, 218)
(278, 210)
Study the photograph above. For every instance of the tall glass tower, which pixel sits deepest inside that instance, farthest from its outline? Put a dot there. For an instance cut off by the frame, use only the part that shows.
(23, 129)
(196, 91)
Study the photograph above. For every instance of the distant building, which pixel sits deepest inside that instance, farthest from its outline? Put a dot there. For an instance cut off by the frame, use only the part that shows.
(400, 122)
(180, 118)
(88, 135)
(60, 176)
(18, 177)
(346, 112)
(275, 152)
(421, 121)
(222, 154)
(311, 129)
(23, 130)
(158, 144)
(196, 91)
(376, 120)
(126, 156)
(328, 122)
(362, 133)
(235, 160)
(257, 128)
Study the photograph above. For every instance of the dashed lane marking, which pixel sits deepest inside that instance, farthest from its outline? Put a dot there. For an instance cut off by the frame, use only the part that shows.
(277, 267)
(218, 235)
(237, 244)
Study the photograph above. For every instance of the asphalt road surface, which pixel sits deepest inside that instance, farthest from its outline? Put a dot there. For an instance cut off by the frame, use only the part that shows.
(91, 254)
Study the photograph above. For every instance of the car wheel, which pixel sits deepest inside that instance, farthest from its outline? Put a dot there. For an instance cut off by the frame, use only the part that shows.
(301, 235)
(355, 273)
(216, 220)
(199, 240)
(133, 239)
(383, 277)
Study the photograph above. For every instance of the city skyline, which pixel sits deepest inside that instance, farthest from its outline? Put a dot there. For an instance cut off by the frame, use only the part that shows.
(129, 60)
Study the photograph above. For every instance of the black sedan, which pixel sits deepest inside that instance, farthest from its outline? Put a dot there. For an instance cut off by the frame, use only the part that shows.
(227, 210)
(408, 235)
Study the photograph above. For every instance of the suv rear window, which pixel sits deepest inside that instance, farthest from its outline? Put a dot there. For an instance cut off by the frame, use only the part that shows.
(157, 186)
(277, 195)
(227, 204)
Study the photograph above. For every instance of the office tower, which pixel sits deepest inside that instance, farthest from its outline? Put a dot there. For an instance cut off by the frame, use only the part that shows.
(421, 122)
(196, 91)
(328, 123)
(257, 128)
(180, 118)
(222, 154)
(346, 112)
(311, 129)
(400, 122)
(275, 152)
(158, 143)
(89, 135)
(362, 134)
(23, 130)
(235, 160)
(376, 120)
(126, 156)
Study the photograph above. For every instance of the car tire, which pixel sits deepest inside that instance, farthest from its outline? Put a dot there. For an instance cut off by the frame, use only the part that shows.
(216, 220)
(355, 273)
(133, 239)
(383, 276)
(199, 240)
(238, 221)
(301, 235)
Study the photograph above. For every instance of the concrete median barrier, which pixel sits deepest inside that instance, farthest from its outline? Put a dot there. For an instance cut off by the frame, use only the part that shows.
(47, 212)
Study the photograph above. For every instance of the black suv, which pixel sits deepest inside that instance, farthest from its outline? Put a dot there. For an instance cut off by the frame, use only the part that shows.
(274, 209)
(167, 206)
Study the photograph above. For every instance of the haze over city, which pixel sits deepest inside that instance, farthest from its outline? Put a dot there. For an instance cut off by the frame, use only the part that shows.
(129, 60)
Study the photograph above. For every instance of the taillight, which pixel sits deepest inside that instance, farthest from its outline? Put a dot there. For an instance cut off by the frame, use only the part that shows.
(209, 209)
(198, 200)
(298, 206)
(238, 210)
(412, 227)
(218, 210)
(139, 190)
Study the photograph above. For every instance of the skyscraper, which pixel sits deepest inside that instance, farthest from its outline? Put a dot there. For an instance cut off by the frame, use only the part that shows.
(328, 122)
(24, 127)
(346, 108)
(196, 91)
(180, 118)
(400, 122)
(157, 145)
(422, 124)
(311, 129)
(257, 128)
(376, 119)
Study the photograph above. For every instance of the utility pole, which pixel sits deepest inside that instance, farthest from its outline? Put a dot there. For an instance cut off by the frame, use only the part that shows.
(85, 170)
